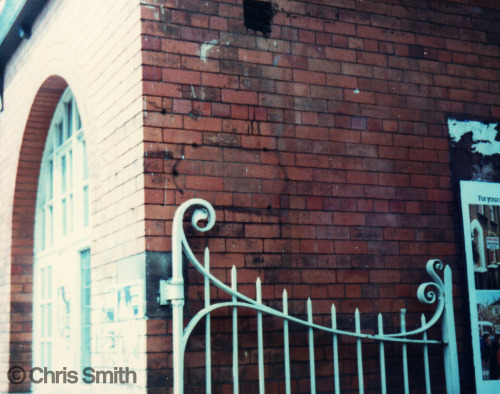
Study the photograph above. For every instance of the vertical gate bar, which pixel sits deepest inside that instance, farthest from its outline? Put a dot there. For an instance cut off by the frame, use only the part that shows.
(236, 375)
(208, 351)
(426, 360)
(405, 355)
(286, 343)
(383, 383)
(262, 388)
(177, 338)
(177, 305)
(312, 367)
(336, 375)
(359, 351)
(449, 337)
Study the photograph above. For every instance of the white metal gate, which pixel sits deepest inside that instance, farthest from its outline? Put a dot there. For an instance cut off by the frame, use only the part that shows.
(172, 291)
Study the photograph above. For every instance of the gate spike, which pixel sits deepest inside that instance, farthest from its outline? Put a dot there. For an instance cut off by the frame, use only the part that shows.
(359, 350)
(258, 290)
(405, 354)
(336, 374)
(382, 355)
(286, 344)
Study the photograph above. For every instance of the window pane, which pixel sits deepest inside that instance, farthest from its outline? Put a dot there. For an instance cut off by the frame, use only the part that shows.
(64, 216)
(70, 213)
(42, 314)
(86, 210)
(50, 183)
(78, 120)
(49, 231)
(86, 307)
(84, 161)
(49, 281)
(63, 174)
(69, 117)
(42, 226)
(42, 354)
(43, 284)
(49, 320)
(59, 134)
(49, 355)
(70, 169)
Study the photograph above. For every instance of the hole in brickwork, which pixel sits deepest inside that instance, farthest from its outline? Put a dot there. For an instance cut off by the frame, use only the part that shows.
(258, 16)
(493, 38)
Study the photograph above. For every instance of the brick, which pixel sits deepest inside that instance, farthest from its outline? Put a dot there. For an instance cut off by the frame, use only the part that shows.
(260, 171)
(161, 89)
(358, 96)
(348, 219)
(181, 76)
(365, 178)
(340, 54)
(239, 97)
(318, 276)
(251, 56)
(372, 32)
(310, 77)
(352, 276)
(157, 119)
(204, 124)
(356, 69)
(340, 27)
(316, 246)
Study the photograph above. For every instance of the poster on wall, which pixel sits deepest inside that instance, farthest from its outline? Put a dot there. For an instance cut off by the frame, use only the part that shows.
(481, 216)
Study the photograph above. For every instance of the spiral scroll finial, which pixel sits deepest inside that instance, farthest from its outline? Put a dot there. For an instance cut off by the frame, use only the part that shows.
(429, 292)
(203, 214)
(203, 211)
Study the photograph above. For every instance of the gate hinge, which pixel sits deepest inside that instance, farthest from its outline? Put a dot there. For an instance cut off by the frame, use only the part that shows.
(170, 291)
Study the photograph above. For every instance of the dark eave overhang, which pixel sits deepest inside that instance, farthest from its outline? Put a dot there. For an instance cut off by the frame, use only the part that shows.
(16, 20)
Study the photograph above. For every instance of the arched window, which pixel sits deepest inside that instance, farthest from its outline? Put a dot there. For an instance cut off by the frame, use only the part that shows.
(61, 304)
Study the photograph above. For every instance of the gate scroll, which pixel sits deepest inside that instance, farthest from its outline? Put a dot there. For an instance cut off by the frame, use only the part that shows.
(172, 292)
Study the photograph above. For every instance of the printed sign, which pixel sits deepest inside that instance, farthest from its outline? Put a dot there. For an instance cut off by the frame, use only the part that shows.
(481, 223)
(492, 243)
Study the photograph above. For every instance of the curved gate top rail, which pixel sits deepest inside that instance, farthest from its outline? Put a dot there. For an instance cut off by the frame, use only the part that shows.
(172, 292)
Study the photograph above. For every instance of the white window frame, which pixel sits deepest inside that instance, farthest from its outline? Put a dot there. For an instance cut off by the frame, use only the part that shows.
(62, 233)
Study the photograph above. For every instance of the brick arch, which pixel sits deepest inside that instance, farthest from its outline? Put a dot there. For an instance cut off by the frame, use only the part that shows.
(23, 220)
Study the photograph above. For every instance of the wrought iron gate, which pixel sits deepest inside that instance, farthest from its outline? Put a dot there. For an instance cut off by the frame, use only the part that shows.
(172, 291)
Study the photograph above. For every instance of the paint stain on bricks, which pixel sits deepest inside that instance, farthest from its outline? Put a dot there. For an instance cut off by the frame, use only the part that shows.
(475, 150)
(205, 48)
(258, 16)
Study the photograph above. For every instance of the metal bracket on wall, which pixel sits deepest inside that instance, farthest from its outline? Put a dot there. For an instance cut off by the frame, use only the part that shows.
(170, 291)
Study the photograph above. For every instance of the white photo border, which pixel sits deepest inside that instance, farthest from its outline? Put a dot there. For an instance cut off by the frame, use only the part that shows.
(477, 193)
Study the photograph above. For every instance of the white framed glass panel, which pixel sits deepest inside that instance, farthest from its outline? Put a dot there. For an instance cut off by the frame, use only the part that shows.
(61, 307)
(482, 239)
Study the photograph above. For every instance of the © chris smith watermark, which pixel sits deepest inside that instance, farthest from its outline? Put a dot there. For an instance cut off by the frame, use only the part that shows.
(89, 375)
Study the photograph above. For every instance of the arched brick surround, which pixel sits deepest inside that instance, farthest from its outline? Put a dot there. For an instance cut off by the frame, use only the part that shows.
(23, 220)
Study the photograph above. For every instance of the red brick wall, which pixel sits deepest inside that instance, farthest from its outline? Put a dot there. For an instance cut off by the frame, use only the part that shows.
(323, 147)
